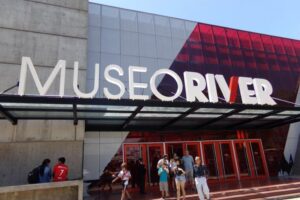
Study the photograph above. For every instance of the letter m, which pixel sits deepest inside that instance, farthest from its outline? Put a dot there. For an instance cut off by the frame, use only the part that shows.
(27, 63)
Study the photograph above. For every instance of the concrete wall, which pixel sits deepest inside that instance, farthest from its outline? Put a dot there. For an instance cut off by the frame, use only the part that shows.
(46, 31)
(68, 190)
(99, 149)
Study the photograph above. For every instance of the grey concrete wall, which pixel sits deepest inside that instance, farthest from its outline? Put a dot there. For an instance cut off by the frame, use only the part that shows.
(46, 31)
(67, 190)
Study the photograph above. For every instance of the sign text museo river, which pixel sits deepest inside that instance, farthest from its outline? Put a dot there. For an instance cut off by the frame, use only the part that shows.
(194, 83)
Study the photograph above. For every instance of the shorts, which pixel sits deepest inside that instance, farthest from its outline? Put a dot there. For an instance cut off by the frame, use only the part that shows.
(189, 174)
(125, 184)
(163, 186)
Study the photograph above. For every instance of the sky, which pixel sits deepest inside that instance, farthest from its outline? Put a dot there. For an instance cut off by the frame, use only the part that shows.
(274, 17)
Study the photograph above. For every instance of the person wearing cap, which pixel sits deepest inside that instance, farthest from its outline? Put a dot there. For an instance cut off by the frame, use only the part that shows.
(201, 174)
(163, 160)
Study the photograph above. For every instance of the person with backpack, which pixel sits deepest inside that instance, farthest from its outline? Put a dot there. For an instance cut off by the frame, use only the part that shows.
(60, 170)
(45, 172)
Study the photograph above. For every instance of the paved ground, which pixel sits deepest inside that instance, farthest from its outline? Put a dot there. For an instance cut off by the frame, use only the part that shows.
(250, 189)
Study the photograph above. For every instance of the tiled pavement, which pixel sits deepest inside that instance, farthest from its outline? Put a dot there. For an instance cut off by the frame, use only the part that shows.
(288, 188)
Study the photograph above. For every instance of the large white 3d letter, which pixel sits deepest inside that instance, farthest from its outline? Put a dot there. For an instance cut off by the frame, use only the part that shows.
(75, 82)
(133, 84)
(174, 76)
(248, 96)
(60, 66)
(192, 91)
(264, 90)
(114, 81)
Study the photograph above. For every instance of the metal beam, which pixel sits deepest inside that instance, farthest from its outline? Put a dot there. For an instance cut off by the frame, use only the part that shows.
(279, 122)
(261, 116)
(126, 123)
(75, 122)
(8, 116)
(225, 115)
(183, 115)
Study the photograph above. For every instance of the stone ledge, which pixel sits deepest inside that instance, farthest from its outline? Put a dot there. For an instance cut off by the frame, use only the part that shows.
(45, 186)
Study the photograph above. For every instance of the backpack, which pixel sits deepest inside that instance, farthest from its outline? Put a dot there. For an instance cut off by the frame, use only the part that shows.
(33, 176)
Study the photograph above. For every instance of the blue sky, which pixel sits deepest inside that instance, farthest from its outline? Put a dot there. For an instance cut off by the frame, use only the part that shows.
(274, 17)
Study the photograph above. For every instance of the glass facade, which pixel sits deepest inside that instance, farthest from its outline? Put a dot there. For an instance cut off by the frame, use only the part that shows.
(133, 38)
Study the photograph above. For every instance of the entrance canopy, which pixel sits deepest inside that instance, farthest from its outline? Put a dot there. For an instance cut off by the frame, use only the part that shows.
(150, 115)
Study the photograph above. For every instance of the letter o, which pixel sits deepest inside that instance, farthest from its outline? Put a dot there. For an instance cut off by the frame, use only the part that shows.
(157, 93)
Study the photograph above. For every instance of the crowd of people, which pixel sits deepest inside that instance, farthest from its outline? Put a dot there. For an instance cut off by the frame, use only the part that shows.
(44, 174)
(179, 172)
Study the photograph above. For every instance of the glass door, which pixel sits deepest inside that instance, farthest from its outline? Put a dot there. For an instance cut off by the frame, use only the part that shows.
(258, 158)
(154, 154)
(242, 155)
(228, 165)
(210, 159)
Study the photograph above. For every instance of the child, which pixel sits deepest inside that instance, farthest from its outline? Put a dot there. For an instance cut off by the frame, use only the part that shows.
(124, 175)
(163, 172)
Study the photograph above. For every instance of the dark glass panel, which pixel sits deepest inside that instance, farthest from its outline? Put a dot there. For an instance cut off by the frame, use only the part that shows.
(226, 155)
(257, 158)
(242, 159)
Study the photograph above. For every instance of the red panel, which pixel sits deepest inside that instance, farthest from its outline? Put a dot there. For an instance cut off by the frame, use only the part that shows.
(206, 33)
(220, 35)
(233, 87)
(249, 58)
(183, 55)
(268, 44)
(245, 39)
(233, 38)
(278, 45)
(195, 35)
(256, 42)
(288, 46)
(296, 45)
(196, 53)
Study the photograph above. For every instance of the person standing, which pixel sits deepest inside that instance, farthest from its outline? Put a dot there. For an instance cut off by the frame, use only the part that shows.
(179, 179)
(188, 163)
(141, 173)
(172, 175)
(125, 176)
(60, 170)
(163, 172)
(45, 172)
(163, 160)
(201, 174)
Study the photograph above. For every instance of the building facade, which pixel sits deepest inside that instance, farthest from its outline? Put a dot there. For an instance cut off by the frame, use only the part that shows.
(235, 141)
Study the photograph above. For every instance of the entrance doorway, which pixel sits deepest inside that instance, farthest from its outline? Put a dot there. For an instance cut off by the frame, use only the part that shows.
(225, 159)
